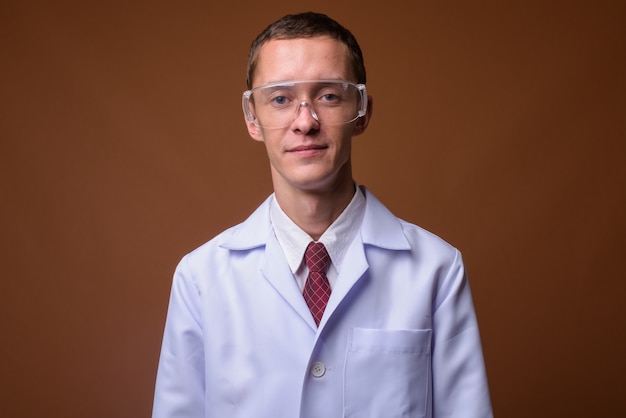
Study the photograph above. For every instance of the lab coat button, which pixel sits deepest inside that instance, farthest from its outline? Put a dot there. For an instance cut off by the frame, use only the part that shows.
(318, 369)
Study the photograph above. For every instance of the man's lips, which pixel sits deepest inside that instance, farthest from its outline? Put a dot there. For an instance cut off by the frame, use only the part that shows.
(305, 148)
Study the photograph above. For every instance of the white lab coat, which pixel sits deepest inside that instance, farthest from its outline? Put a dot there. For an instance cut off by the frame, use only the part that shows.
(399, 336)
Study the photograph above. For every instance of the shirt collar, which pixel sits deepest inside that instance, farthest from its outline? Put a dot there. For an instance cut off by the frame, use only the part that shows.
(293, 240)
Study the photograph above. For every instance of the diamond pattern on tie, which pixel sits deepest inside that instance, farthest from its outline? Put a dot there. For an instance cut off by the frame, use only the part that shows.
(316, 288)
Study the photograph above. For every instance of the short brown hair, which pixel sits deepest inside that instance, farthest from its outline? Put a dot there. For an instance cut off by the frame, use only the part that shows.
(307, 25)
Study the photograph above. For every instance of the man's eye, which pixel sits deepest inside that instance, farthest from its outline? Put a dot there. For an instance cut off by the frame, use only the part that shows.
(329, 97)
(280, 100)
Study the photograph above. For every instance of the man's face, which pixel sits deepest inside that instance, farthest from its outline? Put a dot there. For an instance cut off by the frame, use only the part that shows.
(306, 155)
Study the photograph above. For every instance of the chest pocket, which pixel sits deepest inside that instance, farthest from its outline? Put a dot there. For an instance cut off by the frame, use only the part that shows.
(388, 373)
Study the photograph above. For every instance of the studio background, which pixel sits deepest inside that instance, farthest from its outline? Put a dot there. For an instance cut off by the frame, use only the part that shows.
(500, 126)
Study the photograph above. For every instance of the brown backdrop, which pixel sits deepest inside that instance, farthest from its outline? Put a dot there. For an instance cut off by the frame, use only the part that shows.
(501, 127)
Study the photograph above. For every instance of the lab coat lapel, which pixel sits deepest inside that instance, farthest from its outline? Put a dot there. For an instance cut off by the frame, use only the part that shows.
(380, 228)
(255, 232)
(355, 265)
(276, 271)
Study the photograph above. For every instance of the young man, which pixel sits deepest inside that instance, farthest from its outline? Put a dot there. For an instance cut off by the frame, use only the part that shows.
(380, 324)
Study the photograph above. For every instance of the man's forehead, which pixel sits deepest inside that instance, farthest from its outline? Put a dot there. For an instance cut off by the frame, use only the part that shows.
(301, 59)
(294, 46)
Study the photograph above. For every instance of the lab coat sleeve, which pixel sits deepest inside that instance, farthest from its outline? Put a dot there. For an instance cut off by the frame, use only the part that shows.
(180, 390)
(459, 379)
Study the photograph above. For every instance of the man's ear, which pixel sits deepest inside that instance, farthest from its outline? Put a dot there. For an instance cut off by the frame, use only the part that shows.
(253, 130)
(362, 122)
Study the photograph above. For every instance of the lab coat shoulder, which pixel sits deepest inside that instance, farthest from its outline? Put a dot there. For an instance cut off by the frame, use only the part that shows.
(402, 239)
(211, 260)
(382, 228)
(248, 235)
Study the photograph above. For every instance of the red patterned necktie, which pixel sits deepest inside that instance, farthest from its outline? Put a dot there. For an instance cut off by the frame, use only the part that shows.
(316, 288)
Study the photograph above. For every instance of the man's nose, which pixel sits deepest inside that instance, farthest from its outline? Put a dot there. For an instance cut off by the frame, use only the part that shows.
(311, 110)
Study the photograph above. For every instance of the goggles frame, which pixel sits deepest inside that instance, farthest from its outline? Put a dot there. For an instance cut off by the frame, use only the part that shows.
(248, 105)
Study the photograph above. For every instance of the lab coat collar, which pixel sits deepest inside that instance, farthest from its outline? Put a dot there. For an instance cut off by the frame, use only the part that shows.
(380, 227)
(254, 231)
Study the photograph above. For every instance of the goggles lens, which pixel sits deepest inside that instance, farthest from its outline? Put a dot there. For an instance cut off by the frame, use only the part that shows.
(332, 102)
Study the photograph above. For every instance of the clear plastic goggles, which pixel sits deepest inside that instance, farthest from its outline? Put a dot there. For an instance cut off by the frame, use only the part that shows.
(332, 102)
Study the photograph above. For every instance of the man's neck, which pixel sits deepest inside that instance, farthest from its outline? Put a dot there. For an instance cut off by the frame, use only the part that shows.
(315, 211)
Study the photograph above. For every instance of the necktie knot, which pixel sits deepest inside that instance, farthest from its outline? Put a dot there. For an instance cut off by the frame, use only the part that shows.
(316, 257)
